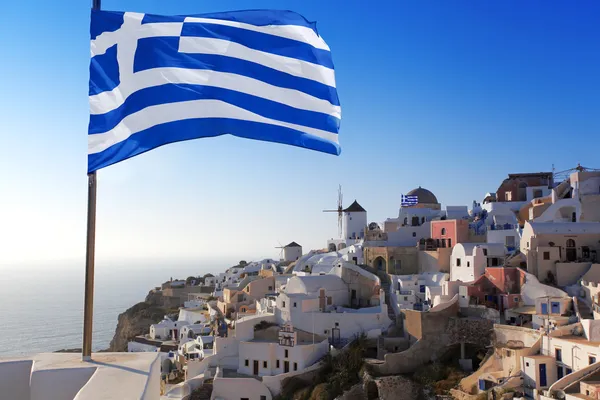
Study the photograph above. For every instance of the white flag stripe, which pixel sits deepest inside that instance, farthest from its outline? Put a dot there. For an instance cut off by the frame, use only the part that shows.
(292, 66)
(295, 32)
(107, 101)
(170, 112)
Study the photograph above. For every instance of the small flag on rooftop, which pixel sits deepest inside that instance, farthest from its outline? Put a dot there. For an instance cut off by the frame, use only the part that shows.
(407, 201)
(261, 74)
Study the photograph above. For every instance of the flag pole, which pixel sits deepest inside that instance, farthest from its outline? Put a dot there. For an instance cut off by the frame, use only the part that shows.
(88, 311)
(88, 308)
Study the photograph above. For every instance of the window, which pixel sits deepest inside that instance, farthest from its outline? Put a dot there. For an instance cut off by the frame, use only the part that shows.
(494, 262)
(508, 353)
(509, 241)
(568, 371)
(329, 300)
(558, 354)
(468, 263)
(559, 372)
(443, 231)
(485, 252)
(264, 364)
(414, 234)
(246, 363)
(591, 360)
(337, 324)
(286, 354)
(244, 398)
(546, 255)
(458, 262)
(277, 364)
(405, 298)
(270, 288)
(527, 364)
(262, 397)
(284, 304)
(294, 304)
(537, 193)
(508, 196)
(295, 366)
(527, 244)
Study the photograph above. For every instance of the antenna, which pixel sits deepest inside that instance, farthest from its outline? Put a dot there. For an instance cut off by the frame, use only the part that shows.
(340, 209)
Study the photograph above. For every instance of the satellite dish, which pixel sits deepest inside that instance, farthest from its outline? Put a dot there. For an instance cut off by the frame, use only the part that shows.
(373, 226)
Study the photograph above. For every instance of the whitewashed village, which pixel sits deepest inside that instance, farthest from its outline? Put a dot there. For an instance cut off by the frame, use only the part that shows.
(495, 300)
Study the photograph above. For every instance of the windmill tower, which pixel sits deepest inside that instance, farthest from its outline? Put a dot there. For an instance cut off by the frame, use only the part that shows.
(340, 210)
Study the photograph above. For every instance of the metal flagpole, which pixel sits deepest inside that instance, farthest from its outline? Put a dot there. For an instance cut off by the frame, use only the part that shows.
(88, 309)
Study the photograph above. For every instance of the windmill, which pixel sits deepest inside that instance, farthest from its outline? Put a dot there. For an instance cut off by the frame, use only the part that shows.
(280, 251)
(340, 209)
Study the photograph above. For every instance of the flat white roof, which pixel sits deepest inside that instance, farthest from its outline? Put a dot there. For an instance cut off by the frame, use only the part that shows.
(564, 227)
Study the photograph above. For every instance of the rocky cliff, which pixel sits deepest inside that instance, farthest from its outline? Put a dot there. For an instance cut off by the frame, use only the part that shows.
(137, 319)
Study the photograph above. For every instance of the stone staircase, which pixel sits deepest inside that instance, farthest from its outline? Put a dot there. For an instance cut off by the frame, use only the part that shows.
(584, 310)
(386, 286)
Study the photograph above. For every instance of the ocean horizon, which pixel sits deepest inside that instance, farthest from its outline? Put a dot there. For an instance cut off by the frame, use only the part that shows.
(42, 307)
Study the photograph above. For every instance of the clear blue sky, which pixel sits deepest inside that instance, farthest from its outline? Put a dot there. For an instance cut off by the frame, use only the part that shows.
(451, 96)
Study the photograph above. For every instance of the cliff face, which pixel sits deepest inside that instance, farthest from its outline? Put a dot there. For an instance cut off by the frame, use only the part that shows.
(136, 321)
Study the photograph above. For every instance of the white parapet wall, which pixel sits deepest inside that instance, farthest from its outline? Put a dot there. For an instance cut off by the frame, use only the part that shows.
(238, 388)
(64, 376)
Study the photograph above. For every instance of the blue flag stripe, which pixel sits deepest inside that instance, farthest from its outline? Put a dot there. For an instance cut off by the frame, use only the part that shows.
(104, 72)
(162, 134)
(260, 41)
(253, 17)
(150, 50)
(171, 93)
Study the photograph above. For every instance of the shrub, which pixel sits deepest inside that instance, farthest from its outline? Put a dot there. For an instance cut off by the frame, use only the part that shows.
(320, 392)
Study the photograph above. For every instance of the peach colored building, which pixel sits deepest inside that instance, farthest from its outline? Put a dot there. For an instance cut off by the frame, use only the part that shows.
(448, 233)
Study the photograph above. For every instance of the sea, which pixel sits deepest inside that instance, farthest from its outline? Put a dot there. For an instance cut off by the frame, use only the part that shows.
(41, 306)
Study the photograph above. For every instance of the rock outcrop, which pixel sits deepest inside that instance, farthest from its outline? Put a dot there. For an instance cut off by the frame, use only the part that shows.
(135, 321)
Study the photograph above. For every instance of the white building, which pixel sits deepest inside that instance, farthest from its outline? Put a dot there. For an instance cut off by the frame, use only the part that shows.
(194, 330)
(167, 329)
(280, 350)
(469, 260)
(292, 252)
(410, 291)
(210, 281)
(197, 349)
(193, 315)
(354, 223)
(560, 252)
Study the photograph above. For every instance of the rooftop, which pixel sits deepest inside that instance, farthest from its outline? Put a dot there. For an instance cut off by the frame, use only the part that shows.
(108, 376)
(355, 207)
(424, 196)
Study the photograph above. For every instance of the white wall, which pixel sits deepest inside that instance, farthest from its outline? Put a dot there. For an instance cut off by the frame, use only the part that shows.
(409, 235)
(354, 224)
(59, 384)
(349, 324)
(302, 355)
(237, 388)
(499, 236)
(292, 253)
(14, 379)
(135, 347)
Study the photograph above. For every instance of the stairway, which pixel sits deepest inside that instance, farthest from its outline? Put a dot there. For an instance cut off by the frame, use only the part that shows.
(584, 310)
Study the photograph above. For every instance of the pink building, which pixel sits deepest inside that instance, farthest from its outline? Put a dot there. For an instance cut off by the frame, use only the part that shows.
(448, 233)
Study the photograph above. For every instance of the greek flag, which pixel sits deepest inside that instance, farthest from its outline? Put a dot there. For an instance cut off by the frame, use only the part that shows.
(261, 74)
(407, 201)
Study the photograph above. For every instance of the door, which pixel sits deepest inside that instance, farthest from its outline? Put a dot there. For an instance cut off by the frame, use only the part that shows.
(555, 307)
(543, 381)
(255, 367)
(286, 367)
(353, 298)
(544, 308)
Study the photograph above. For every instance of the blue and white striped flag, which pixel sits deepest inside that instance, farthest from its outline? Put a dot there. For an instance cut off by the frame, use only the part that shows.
(264, 75)
(407, 201)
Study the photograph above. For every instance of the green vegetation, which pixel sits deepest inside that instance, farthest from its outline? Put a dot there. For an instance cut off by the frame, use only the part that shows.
(264, 325)
(439, 377)
(337, 374)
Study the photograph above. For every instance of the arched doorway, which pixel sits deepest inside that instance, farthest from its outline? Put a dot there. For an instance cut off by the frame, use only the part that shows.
(341, 246)
(379, 263)
(331, 247)
(571, 250)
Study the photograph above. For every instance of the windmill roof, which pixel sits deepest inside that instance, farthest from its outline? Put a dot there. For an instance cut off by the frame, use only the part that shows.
(355, 207)
(293, 244)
